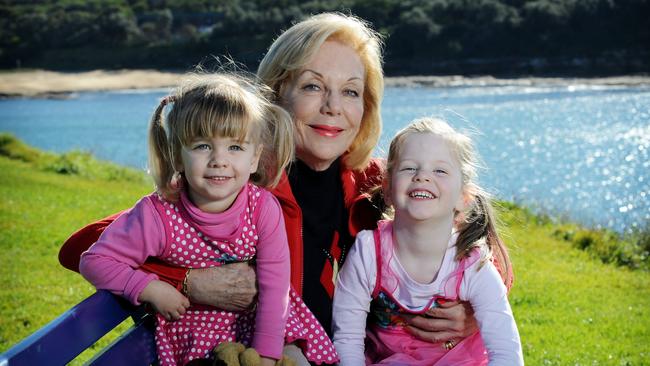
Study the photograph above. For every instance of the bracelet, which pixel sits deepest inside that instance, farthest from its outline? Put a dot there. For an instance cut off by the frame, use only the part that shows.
(184, 288)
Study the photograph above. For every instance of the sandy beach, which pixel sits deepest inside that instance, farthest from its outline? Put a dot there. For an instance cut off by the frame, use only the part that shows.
(42, 83)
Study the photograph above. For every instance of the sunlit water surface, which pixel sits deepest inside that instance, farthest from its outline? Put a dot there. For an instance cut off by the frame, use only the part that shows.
(576, 151)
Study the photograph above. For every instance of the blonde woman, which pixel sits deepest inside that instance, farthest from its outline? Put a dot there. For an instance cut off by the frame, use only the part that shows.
(327, 73)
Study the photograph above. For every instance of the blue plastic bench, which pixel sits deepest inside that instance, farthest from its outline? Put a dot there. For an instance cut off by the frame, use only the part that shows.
(60, 341)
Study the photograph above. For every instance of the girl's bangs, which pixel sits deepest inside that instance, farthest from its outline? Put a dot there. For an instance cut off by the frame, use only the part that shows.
(210, 122)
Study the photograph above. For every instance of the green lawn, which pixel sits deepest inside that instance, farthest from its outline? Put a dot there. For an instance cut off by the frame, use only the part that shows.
(38, 211)
(571, 309)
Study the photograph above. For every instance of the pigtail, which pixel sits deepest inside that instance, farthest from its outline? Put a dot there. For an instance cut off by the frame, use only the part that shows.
(161, 160)
(281, 149)
(477, 227)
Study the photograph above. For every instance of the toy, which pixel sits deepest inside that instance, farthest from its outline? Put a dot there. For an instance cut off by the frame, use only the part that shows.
(235, 354)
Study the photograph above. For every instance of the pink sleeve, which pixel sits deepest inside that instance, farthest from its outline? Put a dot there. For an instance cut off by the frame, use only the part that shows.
(112, 262)
(272, 277)
(352, 296)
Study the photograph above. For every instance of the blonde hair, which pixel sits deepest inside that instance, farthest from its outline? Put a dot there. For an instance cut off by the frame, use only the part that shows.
(296, 46)
(477, 224)
(227, 105)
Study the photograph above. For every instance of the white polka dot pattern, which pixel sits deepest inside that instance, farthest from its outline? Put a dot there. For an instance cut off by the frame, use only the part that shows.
(202, 328)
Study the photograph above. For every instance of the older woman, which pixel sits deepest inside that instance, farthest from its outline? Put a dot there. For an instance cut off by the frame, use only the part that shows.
(327, 73)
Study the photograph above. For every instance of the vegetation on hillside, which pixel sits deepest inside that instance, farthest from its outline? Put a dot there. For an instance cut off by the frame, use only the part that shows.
(75, 162)
(630, 250)
(424, 36)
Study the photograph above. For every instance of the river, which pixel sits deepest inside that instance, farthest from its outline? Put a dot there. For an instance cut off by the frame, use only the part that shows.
(572, 151)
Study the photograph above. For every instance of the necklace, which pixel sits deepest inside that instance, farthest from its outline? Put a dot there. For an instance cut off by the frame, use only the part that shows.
(336, 264)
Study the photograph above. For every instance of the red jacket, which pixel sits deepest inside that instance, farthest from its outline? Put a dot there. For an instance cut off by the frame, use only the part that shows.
(362, 215)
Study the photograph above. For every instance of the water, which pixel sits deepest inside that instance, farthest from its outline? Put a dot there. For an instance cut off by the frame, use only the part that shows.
(574, 151)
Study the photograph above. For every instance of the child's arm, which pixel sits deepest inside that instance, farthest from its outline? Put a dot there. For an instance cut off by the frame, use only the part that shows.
(165, 299)
(352, 297)
(273, 279)
(112, 262)
(205, 283)
(488, 296)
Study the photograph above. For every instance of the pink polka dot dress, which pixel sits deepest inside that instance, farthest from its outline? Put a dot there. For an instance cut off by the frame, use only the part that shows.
(202, 328)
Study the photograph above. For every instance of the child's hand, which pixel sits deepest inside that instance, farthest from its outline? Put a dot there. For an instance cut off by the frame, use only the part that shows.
(165, 299)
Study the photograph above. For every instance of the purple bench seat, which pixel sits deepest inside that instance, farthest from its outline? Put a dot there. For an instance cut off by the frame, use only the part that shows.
(60, 341)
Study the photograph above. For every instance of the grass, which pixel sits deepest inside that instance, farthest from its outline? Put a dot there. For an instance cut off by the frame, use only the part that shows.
(571, 308)
(78, 163)
(38, 211)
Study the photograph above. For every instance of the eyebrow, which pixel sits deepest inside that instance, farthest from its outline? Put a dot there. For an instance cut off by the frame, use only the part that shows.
(242, 142)
(413, 161)
(321, 75)
(232, 139)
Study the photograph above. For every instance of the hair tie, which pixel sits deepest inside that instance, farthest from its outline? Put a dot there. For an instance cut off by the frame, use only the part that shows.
(168, 99)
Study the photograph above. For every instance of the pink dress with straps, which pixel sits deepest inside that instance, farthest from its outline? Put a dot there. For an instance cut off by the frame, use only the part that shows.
(387, 342)
(375, 294)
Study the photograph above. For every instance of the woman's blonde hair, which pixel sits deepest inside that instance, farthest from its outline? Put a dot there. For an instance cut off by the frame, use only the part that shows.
(477, 224)
(296, 46)
(231, 105)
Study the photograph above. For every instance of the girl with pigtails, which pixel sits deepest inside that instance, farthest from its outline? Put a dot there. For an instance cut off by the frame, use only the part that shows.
(212, 155)
(441, 245)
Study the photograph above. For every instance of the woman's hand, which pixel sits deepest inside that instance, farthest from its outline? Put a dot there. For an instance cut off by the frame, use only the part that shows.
(229, 287)
(451, 321)
(165, 299)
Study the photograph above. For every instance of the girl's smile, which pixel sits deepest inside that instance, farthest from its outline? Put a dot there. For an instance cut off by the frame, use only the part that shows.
(422, 194)
(219, 179)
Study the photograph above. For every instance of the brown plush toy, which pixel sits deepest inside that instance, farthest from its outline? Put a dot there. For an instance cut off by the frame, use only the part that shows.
(235, 354)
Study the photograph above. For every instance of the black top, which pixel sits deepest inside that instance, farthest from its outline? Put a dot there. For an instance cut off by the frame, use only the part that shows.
(320, 197)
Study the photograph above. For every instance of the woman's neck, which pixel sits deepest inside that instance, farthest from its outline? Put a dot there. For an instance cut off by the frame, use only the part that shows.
(302, 169)
(314, 164)
(421, 246)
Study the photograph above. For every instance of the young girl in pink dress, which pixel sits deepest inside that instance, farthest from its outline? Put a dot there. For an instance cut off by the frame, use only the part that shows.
(220, 143)
(437, 248)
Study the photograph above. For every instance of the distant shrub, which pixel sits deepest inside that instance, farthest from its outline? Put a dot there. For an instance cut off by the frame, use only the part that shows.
(83, 164)
(75, 162)
(63, 165)
(15, 149)
(630, 250)
(642, 239)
